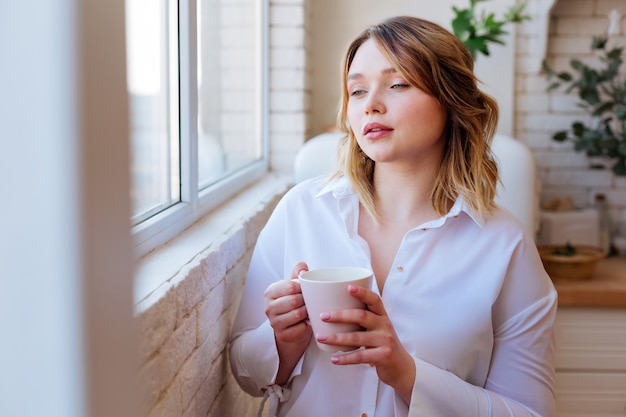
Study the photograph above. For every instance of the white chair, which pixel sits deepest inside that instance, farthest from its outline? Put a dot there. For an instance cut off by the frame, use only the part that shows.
(317, 156)
(519, 191)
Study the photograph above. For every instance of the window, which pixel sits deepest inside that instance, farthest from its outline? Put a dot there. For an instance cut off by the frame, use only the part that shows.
(152, 49)
(197, 90)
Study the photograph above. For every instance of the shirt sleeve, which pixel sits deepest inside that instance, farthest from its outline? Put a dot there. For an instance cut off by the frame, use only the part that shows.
(254, 359)
(253, 353)
(520, 379)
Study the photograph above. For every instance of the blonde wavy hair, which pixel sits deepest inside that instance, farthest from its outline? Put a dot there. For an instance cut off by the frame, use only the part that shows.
(433, 59)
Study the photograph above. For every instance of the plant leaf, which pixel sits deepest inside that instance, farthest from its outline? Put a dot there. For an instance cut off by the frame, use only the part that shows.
(578, 128)
(577, 64)
(602, 108)
(565, 76)
(553, 86)
(477, 32)
(462, 23)
(598, 42)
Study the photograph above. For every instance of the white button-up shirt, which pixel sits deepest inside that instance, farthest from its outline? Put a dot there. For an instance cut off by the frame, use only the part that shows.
(468, 297)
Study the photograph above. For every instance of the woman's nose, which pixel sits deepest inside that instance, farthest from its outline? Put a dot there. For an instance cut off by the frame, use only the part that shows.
(374, 103)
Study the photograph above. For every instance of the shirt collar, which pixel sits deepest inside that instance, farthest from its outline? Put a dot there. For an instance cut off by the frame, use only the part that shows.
(341, 187)
(460, 205)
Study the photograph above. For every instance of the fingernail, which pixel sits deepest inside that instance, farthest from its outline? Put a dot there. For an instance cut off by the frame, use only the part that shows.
(353, 289)
(300, 272)
(325, 316)
(334, 359)
(321, 337)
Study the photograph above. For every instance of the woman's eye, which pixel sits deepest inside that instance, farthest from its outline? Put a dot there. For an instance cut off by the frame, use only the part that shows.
(399, 86)
(356, 93)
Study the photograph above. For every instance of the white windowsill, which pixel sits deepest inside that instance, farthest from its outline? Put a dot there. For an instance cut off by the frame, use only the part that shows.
(155, 270)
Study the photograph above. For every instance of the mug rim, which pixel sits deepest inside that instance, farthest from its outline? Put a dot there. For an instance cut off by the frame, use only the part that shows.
(357, 274)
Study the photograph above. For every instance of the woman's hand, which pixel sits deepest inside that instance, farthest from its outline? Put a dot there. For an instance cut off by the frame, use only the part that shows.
(284, 307)
(394, 365)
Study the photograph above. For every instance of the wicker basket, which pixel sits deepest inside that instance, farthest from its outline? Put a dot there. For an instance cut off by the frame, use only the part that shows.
(577, 267)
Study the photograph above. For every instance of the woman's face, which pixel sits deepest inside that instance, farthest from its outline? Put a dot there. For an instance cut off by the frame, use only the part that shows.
(393, 121)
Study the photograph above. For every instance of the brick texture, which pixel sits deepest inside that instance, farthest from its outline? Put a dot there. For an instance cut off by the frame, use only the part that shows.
(184, 330)
(538, 115)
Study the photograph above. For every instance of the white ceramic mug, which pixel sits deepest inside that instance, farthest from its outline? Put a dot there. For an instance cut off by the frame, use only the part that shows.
(326, 290)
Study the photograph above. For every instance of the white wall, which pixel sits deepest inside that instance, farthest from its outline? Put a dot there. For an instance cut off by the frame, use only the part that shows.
(66, 279)
(336, 23)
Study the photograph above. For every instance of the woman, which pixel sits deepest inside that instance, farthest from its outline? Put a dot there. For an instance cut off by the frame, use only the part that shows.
(460, 319)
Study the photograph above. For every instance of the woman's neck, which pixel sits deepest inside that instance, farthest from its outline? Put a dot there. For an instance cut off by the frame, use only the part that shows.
(402, 196)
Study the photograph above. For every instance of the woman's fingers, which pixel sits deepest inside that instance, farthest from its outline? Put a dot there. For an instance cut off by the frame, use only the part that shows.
(298, 269)
(378, 342)
(378, 336)
(372, 356)
(290, 326)
(280, 289)
(377, 330)
(288, 318)
(369, 298)
(283, 297)
(368, 318)
(284, 307)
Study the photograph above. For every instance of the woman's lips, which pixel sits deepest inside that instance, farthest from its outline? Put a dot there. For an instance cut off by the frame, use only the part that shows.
(376, 130)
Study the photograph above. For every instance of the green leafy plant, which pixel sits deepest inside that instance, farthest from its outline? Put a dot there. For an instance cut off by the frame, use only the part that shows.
(478, 31)
(602, 93)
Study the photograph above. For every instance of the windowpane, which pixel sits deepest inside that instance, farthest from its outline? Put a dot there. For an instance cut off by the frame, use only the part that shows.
(197, 69)
(152, 60)
(229, 87)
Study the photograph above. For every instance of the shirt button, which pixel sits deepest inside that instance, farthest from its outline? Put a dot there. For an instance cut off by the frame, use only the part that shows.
(364, 415)
(424, 229)
(400, 268)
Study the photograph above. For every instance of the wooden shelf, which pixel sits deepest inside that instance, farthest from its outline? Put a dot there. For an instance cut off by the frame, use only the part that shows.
(607, 287)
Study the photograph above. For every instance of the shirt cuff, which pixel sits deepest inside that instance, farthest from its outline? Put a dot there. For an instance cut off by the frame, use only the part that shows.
(258, 356)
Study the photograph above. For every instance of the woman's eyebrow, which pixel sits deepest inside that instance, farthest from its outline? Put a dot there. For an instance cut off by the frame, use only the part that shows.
(389, 70)
(385, 71)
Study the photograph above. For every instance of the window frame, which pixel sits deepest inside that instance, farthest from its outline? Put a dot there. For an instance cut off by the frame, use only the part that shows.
(195, 203)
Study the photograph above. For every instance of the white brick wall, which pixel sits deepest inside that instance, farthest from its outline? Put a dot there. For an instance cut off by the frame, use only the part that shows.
(183, 329)
(289, 98)
(538, 114)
